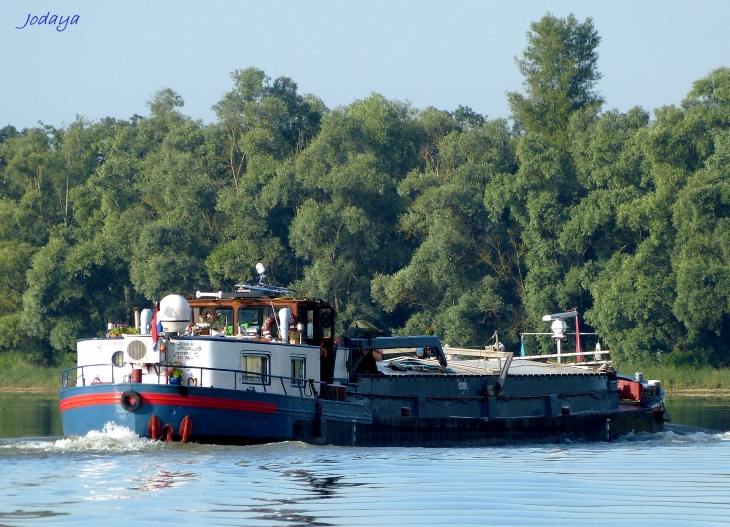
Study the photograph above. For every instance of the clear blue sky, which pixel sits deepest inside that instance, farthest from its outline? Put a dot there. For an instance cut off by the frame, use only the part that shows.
(431, 53)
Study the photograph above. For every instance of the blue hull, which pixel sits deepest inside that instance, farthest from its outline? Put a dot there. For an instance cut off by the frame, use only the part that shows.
(218, 415)
(247, 417)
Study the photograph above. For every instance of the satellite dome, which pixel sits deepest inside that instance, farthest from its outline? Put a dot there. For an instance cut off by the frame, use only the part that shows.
(174, 314)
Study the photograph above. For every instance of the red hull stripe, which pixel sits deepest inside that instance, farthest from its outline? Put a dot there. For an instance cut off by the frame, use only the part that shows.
(88, 400)
(170, 400)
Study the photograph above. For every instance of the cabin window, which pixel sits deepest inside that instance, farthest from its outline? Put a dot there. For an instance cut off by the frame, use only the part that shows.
(250, 320)
(219, 319)
(224, 323)
(325, 322)
(298, 369)
(254, 320)
(255, 368)
(118, 359)
(309, 328)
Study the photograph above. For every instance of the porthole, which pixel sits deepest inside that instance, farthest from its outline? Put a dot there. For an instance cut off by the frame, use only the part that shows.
(118, 359)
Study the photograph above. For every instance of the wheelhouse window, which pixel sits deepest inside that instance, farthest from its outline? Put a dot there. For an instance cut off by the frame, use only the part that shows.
(325, 322)
(298, 369)
(309, 328)
(219, 320)
(258, 321)
(255, 368)
(250, 320)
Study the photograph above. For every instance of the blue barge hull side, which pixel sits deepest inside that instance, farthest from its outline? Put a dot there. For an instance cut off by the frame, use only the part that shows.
(218, 415)
(247, 417)
(467, 431)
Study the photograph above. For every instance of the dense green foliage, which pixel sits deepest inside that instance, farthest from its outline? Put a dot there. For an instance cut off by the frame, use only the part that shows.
(410, 218)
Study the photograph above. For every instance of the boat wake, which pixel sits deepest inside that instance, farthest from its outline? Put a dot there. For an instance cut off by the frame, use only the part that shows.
(112, 438)
(679, 434)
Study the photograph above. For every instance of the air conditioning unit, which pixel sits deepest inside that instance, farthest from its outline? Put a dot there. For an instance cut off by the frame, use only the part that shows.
(140, 350)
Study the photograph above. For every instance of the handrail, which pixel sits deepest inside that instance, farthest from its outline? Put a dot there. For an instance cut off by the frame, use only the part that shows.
(566, 333)
(503, 354)
(554, 355)
(264, 378)
(65, 374)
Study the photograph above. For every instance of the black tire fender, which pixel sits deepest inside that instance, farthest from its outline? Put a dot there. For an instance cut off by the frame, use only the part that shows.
(131, 401)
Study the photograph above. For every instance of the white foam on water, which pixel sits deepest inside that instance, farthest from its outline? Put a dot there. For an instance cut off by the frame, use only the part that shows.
(678, 435)
(112, 438)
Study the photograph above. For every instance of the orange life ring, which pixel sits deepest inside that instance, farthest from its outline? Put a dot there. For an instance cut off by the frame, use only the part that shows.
(266, 329)
(209, 315)
(270, 323)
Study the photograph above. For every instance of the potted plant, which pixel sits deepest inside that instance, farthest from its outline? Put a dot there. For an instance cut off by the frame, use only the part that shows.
(175, 376)
(117, 330)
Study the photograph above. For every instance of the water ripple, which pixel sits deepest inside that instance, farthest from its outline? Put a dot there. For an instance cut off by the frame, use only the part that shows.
(676, 478)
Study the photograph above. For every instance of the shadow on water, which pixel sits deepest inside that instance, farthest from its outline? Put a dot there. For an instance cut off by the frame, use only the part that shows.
(308, 486)
(321, 486)
(309, 482)
(20, 515)
(288, 517)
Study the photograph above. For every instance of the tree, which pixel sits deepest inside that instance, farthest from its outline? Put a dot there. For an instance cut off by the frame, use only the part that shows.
(15, 258)
(262, 128)
(460, 279)
(258, 117)
(181, 227)
(559, 66)
(701, 259)
(345, 229)
(164, 113)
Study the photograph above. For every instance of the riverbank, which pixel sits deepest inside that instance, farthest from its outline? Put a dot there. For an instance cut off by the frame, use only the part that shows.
(683, 381)
(33, 389)
(19, 376)
(698, 393)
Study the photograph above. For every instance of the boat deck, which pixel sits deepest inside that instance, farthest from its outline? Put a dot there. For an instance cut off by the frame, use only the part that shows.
(491, 366)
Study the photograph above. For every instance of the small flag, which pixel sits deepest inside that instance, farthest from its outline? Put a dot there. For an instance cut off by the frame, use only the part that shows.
(522, 346)
(156, 326)
(578, 349)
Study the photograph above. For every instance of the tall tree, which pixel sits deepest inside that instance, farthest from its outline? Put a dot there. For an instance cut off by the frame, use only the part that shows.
(559, 66)
(345, 230)
(263, 126)
(460, 278)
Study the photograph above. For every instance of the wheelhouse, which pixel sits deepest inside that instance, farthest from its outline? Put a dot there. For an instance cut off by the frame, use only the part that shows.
(254, 312)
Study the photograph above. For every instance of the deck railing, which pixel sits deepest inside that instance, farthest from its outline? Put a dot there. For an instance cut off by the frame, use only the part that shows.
(264, 379)
(599, 357)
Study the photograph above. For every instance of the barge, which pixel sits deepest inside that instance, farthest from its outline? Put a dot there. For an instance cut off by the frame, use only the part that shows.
(260, 365)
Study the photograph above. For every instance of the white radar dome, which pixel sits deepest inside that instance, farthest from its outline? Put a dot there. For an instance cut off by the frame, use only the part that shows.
(174, 314)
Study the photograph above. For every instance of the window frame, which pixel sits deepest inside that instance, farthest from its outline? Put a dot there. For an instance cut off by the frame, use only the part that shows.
(117, 354)
(264, 377)
(295, 381)
(321, 329)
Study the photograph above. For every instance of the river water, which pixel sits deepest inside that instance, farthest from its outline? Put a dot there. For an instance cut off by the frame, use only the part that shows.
(679, 477)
